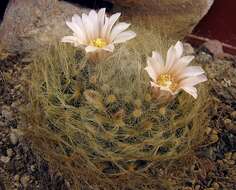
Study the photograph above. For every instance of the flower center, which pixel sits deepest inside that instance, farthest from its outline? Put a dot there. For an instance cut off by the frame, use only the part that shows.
(166, 80)
(99, 42)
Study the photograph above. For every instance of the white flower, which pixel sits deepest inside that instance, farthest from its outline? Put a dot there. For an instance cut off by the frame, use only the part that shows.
(96, 31)
(176, 74)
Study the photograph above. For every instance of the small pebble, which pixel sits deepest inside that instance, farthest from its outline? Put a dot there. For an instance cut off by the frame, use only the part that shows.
(230, 126)
(67, 185)
(33, 168)
(2, 124)
(188, 49)
(230, 162)
(220, 162)
(17, 157)
(9, 152)
(25, 180)
(26, 60)
(187, 188)
(16, 186)
(7, 113)
(216, 186)
(5, 159)
(234, 156)
(197, 187)
(15, 104)
(16, 178)
(204, 57)
(233, 115)
(13, 138)
(4, 139)
(227, 121)
(228, 155)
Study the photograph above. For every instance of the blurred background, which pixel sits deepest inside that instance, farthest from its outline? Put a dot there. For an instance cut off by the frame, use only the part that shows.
(3, 5)
(218, 24)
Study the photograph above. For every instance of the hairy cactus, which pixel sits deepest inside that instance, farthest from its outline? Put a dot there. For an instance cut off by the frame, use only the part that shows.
(95, 121)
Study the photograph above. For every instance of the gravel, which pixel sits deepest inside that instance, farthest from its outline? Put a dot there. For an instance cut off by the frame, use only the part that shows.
(13, 138)
(20, 167)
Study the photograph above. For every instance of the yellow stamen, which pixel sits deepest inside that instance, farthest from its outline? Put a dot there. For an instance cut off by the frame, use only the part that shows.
(99, 42)
(166, 80)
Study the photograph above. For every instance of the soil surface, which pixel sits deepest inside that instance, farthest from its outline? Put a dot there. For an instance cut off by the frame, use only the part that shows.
(20, 168)
(211, 168)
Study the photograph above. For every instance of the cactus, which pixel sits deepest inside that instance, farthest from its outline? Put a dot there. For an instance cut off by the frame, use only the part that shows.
(95, 121)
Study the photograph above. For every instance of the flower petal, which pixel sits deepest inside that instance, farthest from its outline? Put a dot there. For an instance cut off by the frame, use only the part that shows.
(151, 72)
(81, 32)
(104, 27)
(94, 19)
(89, 49)
(154, 85)
(192, 81)
(191, 71)
(171, 58)
(163, 90)
(74, 27)
(109, 48)
(179, 48)
(71, 39)
(186, 60)
(101, 19)
(120, 27)
(112, 20)
(158, 57)
(191, 90)
(124, 36)
(89, 27)
(181, 64)
(156, 66)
